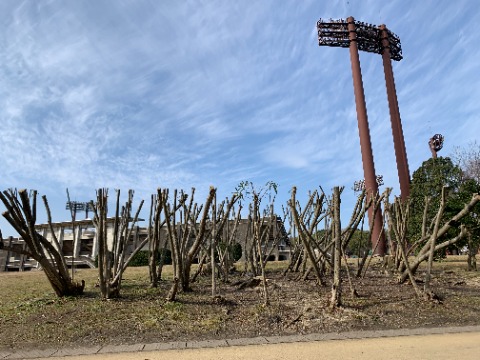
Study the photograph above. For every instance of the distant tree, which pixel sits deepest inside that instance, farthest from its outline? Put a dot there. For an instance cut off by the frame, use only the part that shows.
(426, 189)
(470, 221)
(360, 243)
(442, 211)
(468, 159)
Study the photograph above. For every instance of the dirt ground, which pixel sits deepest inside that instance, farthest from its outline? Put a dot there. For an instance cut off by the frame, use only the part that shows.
(142, 315)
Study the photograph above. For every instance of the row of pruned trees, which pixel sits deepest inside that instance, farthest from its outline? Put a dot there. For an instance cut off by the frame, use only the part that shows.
(322, 241)
(206, 231)
(190, 230)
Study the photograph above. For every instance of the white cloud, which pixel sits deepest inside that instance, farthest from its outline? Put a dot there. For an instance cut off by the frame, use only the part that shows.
(181, 94)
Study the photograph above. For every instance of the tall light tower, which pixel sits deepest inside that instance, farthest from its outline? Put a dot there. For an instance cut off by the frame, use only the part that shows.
(375, 39)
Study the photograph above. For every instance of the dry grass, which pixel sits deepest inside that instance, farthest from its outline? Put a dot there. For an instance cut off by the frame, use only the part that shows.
(32, 316)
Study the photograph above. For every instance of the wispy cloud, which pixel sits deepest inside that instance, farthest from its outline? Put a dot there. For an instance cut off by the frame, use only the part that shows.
(180, 94)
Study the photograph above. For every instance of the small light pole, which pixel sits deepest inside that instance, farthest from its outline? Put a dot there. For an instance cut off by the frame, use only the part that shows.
(359, 185)
(436, 144)
(75, 206)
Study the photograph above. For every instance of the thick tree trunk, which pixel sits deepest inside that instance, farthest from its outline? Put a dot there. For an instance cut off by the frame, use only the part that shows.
(213, 245)
(172, 294)
(258, 240)
(433, 239)
(472, 252)
(336, 298)
(154, 239)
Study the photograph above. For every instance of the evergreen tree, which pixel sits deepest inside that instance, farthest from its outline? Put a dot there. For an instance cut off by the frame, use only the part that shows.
(427, 183)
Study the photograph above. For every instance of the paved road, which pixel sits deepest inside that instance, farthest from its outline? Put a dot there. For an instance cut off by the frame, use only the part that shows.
(437, 344)
(464, 346)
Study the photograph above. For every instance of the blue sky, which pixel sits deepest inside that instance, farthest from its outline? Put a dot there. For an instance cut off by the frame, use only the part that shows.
(147, 94)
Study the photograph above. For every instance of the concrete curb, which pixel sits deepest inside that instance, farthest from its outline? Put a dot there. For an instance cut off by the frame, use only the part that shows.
(261, 340)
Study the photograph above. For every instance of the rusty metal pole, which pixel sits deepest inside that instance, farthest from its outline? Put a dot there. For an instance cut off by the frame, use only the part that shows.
(431, 145)
(365, 142)
(397, 131)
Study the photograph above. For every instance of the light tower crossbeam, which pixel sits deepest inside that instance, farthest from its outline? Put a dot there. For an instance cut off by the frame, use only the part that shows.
(335, 33)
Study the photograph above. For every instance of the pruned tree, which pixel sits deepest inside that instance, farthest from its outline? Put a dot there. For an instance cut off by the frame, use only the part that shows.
(433, 238)
(188, 230)
(262, 235)
(319, 244)
(359, 215)
(397, 216)
(326, 249)
(213, 245)
(155, 239)
(458, 176)
(258, 224)
(259, 235)
(112, 250)
(183, 249)
(307, 221)
(223, 243)
(21, 213)
(226, 241)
